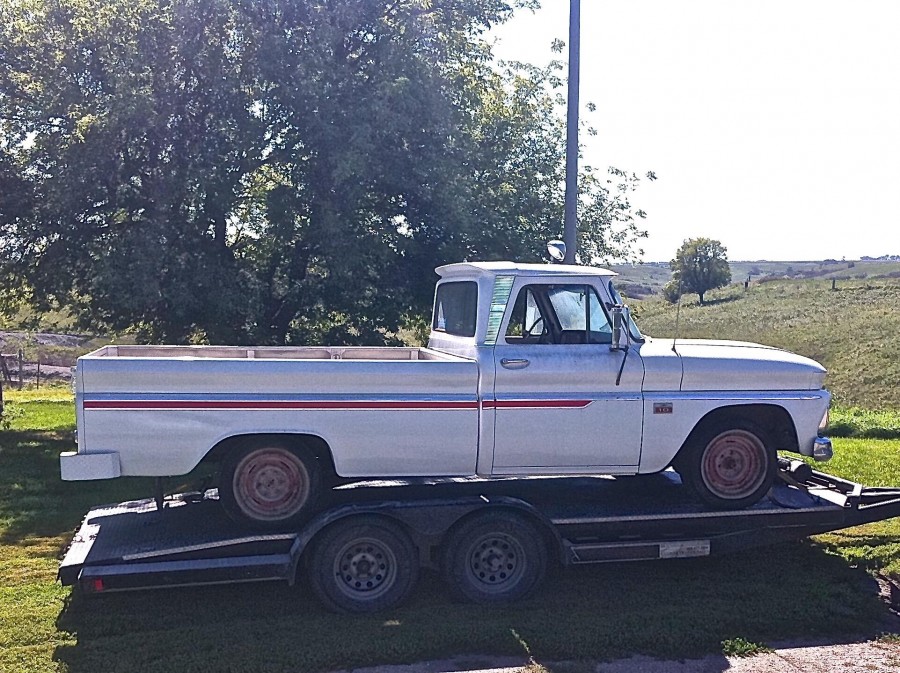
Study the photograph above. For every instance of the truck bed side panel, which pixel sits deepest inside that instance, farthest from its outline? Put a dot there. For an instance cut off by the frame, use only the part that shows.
(379, 418)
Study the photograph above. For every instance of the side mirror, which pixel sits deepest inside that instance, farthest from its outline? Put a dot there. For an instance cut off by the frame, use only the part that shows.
(557, 250)
(621, 334)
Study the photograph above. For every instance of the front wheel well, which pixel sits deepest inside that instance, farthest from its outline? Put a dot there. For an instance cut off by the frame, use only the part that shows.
(775, 420)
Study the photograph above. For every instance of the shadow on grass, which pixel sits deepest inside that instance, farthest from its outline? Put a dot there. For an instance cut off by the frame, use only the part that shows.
(681, 608)
(715, 301)
(34, 501)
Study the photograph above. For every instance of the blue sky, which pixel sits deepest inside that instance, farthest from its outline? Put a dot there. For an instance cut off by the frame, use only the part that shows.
(773, 126)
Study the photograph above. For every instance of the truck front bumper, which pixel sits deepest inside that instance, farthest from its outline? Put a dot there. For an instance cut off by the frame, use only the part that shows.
(75, 466)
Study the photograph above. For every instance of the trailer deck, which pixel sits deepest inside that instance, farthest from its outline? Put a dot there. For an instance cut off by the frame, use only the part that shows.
(133, 545)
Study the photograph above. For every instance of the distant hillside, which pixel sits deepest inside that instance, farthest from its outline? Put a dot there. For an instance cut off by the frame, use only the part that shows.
(853, 330)
(644, 280)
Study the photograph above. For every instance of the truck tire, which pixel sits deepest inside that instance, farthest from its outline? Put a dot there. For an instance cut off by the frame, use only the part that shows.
(363, 564)
(269, 485)
(730, 464)
(494, 558)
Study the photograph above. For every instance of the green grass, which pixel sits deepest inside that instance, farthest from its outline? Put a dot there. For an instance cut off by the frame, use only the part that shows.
(738, 647)
(865, 423)
(853, 330)
(676, 608)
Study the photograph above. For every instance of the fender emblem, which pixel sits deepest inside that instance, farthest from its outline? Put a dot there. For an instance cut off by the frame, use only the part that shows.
(662, 407)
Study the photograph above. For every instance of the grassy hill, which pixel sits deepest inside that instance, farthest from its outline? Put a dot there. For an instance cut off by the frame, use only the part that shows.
(643, 280)
(853, 330)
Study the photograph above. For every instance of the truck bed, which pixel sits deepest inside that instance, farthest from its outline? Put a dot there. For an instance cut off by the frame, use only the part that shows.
(161, 409)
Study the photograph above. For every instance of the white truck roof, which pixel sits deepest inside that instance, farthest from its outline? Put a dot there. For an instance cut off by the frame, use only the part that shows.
(470, 269)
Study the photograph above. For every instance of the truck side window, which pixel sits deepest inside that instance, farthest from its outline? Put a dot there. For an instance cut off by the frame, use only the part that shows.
(526, 324)
(576, 307)
(456, 308)
(558, 314)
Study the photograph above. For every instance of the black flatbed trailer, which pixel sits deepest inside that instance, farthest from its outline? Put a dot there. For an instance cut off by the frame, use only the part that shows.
(492, 539)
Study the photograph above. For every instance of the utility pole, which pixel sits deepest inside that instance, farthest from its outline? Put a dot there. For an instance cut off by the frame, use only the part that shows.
(570, 233)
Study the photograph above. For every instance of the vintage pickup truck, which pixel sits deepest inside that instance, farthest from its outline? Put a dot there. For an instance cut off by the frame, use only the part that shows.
(529, 370)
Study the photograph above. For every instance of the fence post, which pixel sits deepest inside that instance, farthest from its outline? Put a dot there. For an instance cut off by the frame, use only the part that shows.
(21, 373)
(37, 379)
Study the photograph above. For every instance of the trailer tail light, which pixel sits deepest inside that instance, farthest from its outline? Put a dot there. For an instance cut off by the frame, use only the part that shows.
(95, 585)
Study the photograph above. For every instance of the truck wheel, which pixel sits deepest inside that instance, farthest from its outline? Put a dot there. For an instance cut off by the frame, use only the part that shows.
(269, 485)
(730, 465)
(363, 564)
(494, 558)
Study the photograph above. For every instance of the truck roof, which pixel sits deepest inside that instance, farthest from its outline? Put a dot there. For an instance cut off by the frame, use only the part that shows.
(495, 268)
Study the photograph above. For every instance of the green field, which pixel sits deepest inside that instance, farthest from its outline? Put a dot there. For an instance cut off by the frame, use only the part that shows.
(674, 609)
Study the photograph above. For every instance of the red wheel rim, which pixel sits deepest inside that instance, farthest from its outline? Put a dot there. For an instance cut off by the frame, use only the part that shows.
(734, 464)
(270, 484)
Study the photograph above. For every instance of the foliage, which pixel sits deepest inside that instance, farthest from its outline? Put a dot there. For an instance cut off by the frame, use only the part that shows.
(270, 171)
(738, 647)
(671, 291)
(10, 412)
(700, 265)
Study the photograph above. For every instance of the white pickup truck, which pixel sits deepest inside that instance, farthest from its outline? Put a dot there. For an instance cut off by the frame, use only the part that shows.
(529, 370)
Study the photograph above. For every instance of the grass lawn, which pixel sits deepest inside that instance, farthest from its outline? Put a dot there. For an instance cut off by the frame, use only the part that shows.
(819, 588)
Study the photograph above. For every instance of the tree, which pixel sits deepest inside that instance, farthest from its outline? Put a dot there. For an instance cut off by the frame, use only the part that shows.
(275, 171)
(700, 265)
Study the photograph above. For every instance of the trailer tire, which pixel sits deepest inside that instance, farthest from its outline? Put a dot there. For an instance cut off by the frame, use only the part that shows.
(730, 464)
(363, 564)
(494, 558)
(269, 485)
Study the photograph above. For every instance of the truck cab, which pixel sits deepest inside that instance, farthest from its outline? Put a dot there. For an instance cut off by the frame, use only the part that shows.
(567, 390)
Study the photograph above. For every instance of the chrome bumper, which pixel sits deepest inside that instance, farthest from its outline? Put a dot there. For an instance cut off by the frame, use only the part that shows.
(822, 449)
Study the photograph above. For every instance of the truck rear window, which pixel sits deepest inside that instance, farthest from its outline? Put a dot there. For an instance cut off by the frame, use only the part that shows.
(455, 308)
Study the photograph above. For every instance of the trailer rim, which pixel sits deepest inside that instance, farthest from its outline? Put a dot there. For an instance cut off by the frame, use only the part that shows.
(366, 568)
(495, 562)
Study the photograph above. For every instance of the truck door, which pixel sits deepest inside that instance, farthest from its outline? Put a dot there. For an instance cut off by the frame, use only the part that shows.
(563, 402)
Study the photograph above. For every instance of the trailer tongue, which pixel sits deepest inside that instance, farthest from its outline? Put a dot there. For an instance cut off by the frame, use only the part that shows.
(490, 538)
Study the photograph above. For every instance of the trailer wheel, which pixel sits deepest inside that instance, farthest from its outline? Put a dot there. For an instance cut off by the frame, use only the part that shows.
(730, 465)
(363, 564)
(269, 485)
(494, 558)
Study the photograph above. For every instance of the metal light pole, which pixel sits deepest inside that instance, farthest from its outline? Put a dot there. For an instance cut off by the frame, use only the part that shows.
(570, 233)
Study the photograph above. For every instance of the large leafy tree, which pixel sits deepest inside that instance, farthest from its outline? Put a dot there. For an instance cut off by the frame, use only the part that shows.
(700, 265)
(274, 171)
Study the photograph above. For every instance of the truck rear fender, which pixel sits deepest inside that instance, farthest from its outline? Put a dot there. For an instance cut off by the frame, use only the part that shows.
(301, 442)
(773, 418)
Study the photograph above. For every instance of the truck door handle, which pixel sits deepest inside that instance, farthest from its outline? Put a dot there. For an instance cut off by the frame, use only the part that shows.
(514, 363)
